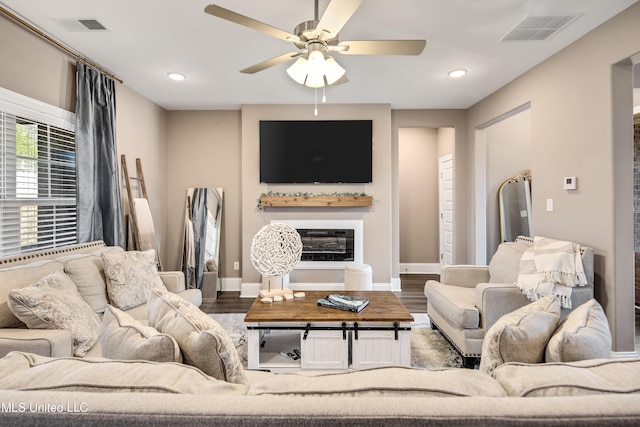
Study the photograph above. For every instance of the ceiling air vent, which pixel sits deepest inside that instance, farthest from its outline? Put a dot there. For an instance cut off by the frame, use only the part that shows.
(82, 24)
(538, 27)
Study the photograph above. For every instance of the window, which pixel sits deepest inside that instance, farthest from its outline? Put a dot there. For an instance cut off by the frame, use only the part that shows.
(37, 175)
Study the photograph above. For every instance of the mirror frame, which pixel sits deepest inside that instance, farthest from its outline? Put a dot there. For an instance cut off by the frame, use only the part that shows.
(526, 178)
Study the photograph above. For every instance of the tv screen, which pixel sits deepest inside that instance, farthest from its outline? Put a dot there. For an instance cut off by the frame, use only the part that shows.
(315, 151)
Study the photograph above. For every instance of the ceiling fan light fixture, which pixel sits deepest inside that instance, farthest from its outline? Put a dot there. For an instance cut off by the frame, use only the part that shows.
(333, 70)
(316, 63)
(298, 71)
(314, 80)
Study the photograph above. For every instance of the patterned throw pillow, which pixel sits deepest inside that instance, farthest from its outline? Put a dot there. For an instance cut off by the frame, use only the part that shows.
(520, 336)
(125, 338)
(204, 343)
(130, 277)
(583, 335)
(54, 303)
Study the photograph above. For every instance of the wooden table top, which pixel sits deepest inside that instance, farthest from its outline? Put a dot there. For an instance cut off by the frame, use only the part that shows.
(383, 306)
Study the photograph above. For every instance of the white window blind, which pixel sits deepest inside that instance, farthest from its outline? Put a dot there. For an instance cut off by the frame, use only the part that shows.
(37, 175)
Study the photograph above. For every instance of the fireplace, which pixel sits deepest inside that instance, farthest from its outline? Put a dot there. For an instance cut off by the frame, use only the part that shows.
(328, 244)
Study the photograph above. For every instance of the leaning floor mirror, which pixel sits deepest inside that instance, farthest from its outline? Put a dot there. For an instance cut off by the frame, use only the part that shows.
(514, 197)
(201, 255)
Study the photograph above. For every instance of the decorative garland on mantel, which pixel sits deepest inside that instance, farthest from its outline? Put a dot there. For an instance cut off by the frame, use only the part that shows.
(306, 194)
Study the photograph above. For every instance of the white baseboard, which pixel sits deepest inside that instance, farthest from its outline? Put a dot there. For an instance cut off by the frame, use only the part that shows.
(624, 354)
(251, 290)
(395, 285)
(418, 268)
(231, 284)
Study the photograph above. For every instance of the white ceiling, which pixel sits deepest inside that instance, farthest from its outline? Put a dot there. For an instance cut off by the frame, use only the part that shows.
(148, 38)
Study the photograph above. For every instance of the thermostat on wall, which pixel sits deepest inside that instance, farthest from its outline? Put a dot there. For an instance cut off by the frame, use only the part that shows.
(570, 183)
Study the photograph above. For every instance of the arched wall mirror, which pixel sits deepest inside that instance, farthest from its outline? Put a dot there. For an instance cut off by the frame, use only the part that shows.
(514, 197)
(201, 255)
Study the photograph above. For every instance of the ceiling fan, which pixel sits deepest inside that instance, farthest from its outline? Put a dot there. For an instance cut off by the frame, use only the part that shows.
(314, 39)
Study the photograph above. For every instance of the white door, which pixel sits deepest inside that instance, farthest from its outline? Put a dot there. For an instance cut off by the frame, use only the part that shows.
(445, 166)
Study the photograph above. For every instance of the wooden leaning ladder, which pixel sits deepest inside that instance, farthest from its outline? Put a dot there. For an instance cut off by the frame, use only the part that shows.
(133, 220)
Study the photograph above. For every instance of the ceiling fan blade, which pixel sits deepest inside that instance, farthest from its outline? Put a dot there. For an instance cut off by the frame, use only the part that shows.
(270, 62)
(381, 47)
(337, 14)
(237, 18)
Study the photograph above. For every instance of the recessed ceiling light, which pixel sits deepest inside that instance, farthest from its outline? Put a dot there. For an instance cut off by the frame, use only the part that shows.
(454, 74)
(176, 76)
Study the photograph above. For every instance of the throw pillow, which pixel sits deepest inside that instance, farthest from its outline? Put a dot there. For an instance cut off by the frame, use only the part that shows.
(130, 277)
(522, 335)
(87, 272)
(505, 263)
(19, 277)
(584, 334)
(204, 343)
(125, 338)
(54, 303)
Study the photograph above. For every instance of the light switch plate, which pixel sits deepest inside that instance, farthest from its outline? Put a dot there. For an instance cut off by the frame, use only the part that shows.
(570, 183)
(549, 205)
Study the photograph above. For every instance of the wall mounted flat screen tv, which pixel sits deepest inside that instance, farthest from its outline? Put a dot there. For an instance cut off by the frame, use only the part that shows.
(315, 151)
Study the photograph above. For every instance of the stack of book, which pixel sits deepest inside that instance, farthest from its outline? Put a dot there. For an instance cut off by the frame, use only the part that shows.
(344, 302)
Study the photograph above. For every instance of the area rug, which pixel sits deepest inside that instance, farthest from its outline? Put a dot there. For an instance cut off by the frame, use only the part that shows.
(429, 349)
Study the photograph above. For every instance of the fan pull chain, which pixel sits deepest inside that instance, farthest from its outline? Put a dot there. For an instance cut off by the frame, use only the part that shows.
(324, 97)
(315, 110)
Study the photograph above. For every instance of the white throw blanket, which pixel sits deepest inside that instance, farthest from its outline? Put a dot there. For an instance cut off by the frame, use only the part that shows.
(551, 267)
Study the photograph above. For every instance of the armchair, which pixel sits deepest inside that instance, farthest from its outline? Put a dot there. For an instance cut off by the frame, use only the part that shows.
(469, 299)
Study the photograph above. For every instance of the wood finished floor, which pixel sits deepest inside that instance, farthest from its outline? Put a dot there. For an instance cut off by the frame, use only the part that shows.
(412, 296)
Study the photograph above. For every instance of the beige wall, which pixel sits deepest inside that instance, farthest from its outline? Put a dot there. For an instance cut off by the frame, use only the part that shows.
(508, 153)
(575, 132)
(141, 132)
(418, 183)
(377, 219)
(204, 151)
(34, 68)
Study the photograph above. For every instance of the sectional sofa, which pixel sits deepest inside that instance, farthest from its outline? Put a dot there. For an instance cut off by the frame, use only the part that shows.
(38, 389)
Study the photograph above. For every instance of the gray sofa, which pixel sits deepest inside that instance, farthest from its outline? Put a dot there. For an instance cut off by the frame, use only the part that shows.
(469, 299)
(35, 391)
(39, 390)
(83, 264)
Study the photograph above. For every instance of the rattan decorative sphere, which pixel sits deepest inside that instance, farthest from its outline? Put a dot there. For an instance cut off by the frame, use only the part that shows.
(276, 249)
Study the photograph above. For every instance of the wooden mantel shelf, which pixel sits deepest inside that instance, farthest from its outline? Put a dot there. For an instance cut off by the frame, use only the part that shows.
(315, 201)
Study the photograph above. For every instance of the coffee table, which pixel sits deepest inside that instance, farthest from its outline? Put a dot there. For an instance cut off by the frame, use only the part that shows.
(328, 338)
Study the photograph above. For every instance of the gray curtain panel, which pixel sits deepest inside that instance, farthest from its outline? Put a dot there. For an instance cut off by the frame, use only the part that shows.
(199, 212)
(99, 205)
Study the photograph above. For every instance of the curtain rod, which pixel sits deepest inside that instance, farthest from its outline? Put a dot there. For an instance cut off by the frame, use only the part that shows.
(56, 43)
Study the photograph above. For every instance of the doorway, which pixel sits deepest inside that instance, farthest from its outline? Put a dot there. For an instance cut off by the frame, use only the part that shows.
(503, 150)
(419, 152)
